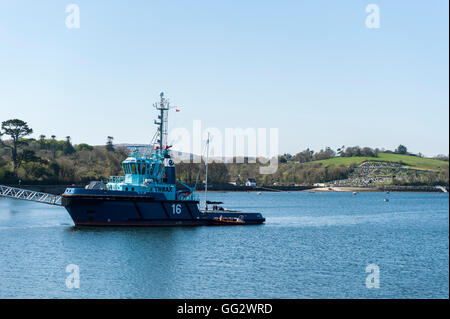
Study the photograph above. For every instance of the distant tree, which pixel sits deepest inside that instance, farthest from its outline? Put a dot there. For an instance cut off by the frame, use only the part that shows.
(16, 129)
(27, 156)
(284, 158)
(324, 154)
(442, 157)
(401, 149)
(83, 147)
(55, 169)
(358, 151)
(367, 151)
(218, 173)
(42, 141)
(304, 156)
(187, 171)
(109, 144)
(352, 151)
(67, 147)
(53, 146)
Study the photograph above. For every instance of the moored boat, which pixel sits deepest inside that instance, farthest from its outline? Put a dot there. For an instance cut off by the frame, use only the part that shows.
(148, 193)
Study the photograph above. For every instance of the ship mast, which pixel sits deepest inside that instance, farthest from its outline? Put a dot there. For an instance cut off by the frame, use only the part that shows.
(206, 173)
(163, 107)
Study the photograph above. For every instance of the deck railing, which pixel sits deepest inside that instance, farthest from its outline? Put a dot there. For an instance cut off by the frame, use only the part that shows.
(188, 197)
(116, 179)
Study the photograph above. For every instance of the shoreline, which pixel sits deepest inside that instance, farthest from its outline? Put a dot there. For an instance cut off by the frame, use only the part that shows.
(59, 189)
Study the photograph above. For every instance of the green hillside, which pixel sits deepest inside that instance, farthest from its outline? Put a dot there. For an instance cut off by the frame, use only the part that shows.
(413, 162)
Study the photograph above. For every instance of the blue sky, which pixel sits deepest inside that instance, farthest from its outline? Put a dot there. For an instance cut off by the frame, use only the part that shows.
(310, 68)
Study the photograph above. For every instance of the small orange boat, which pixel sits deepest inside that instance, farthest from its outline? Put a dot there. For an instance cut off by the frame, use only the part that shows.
(226, 221)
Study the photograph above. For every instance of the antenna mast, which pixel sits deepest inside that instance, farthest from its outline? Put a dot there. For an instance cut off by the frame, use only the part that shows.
(206, 174)
(160, 137)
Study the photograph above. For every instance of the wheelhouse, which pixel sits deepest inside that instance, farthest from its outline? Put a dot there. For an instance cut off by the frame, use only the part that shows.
(146, 174)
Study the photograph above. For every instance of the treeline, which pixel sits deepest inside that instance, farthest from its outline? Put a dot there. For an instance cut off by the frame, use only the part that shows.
(286, 174)
(53, 161)
(289, 173)
(48, 160)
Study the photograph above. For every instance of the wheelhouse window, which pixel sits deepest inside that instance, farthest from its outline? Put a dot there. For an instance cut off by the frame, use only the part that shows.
(141, 168)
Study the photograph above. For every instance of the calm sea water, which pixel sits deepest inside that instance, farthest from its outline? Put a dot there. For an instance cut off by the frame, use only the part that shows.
(314, 245)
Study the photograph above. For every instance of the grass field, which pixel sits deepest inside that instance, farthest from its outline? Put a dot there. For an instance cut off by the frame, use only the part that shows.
(413, 162)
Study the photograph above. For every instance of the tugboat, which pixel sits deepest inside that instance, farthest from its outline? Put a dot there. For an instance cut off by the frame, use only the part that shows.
(147, 193)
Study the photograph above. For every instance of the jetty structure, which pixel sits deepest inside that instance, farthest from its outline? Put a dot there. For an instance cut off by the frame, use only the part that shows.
(147, 194)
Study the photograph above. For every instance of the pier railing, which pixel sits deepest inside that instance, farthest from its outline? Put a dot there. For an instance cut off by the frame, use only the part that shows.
(25, 194)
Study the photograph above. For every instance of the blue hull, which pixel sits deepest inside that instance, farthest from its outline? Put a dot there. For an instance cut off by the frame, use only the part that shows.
(109, 208)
